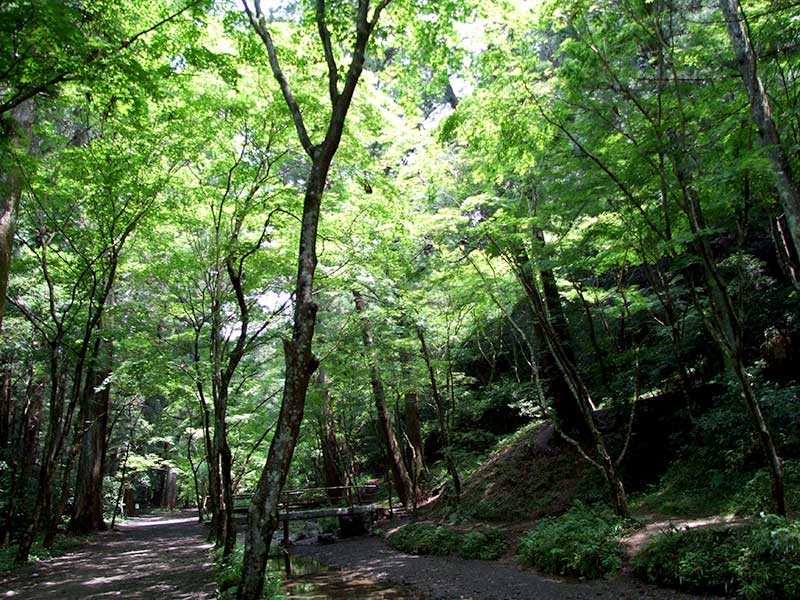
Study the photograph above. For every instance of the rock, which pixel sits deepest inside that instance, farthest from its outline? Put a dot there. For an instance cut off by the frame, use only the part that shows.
(326, 538)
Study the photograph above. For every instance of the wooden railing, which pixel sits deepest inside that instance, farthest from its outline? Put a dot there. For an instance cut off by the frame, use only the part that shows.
(315, 503)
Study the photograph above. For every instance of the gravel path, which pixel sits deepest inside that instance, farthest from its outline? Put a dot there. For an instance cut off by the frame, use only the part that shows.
(455, 578)
(162, 557)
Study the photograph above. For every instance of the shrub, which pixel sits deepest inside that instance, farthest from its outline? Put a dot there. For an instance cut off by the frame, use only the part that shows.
(693, 560)
(755, 497)
(422, 538)
(583, 542)
(485, 545)
(759, 560)
(768, 565)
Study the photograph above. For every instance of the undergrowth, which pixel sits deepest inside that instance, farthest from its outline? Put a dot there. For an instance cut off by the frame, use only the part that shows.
(62, 545)
(583, 542)
(228, 573)
(756, 561)
(424, 538)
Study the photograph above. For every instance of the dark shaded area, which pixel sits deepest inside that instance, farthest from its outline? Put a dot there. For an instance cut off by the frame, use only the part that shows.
(449, 577)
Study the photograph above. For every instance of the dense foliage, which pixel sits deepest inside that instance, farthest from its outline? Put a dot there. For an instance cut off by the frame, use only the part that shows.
(251, 247)
(424, 538)
(583, 542)
(752, 560)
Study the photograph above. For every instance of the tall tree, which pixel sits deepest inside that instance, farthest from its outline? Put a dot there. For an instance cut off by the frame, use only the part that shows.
(393, 453)
(43, 46)
(300, 362)
(761, 111)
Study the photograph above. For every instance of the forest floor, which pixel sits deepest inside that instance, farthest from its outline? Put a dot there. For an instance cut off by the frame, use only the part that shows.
(451, 577)
(156, 557)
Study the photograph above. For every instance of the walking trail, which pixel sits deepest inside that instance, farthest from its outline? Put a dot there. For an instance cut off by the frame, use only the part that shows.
(157, 557)
(440, 577)
(166, 557)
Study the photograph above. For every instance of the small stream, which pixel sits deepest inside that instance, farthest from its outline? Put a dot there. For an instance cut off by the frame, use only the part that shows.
(311, 579)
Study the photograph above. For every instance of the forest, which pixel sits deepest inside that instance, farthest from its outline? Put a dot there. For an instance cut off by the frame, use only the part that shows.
(531, 262)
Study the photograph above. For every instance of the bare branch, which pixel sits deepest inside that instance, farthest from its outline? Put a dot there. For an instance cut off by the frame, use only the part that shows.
(325, 36)
(377, 14)
(259, 23)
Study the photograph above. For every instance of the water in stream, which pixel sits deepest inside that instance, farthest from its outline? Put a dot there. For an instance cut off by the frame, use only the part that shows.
(311, 580)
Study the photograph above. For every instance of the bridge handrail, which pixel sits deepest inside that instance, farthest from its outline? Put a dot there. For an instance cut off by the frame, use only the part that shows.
(363, 494)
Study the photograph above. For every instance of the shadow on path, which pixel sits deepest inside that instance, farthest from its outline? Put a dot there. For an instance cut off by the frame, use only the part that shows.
(452, 577)
(163, 557)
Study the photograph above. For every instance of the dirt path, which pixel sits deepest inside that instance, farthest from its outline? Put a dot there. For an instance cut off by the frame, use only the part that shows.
(162, 557)
(455, 578)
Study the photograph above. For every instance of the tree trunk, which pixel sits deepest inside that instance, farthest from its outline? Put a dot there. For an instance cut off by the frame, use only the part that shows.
(215, 532)
(402, 481)
(569, 418)
(95, 405)
(414, 429)
(726, 329)
(169, 495)
(784, 249)
(761, 112)
(123, 496)
(579, 391)
(599, 353)
(327, 438)
(15, 132)
(195, 468)
(441, 416)
(58, 509)
(300, 362)
(25, 453)
(6, 412)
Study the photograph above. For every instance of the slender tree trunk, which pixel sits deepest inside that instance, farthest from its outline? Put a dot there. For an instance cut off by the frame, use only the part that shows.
(414, 429)
(6, 411)
(215, 532)
(570, 419)
(226, 478)
(580, 393)
(19, 489)
(438, 402)
(123, 481)
(195, 469)
(58, 509)
(402, 481)
(726, 329)
(599, 354)
(784, 248)
(761, 112)
(300, 362)
(328, 442)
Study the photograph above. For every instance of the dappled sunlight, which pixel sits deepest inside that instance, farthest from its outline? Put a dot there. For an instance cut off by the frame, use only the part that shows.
(148, 558)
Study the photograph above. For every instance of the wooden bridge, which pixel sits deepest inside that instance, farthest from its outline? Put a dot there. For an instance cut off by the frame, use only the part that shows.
(316, 503)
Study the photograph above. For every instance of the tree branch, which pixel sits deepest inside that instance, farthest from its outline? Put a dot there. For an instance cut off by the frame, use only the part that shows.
(325, 36)
(377, 14)
(259, 23)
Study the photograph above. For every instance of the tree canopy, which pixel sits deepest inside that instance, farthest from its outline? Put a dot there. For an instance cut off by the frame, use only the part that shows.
(257, 246)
